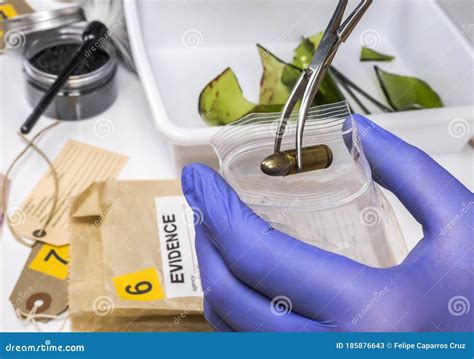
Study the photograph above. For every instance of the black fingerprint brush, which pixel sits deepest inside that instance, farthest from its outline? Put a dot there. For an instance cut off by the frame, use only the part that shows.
(93, 37)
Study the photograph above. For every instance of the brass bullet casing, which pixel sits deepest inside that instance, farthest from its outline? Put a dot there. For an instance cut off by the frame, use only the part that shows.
(284, 163)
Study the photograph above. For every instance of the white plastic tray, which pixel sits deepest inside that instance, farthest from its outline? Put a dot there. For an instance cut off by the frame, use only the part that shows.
(179, 46)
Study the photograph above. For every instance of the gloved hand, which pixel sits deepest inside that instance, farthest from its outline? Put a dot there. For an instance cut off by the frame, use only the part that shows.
(252, 279)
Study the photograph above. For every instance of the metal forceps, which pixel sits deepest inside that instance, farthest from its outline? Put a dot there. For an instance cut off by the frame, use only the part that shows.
(306, 87)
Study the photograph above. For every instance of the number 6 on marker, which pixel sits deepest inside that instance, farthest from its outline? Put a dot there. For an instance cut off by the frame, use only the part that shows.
(137, 291)
(143, 285)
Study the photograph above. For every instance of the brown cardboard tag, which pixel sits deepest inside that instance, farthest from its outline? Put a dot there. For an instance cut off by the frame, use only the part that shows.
(77, 166)
(43, 282)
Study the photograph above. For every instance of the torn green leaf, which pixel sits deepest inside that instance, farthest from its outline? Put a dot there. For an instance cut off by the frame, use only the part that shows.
(367, 54)
(273, 91)
(222, 102)
(304, 53)
(407, 93)
(328, 92)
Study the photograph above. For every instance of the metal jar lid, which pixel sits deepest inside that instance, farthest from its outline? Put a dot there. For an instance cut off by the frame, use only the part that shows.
(17, 28)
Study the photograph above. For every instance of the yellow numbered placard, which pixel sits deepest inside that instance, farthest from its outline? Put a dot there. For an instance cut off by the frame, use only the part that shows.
(7, 11)
(52, 260)
(142, 285)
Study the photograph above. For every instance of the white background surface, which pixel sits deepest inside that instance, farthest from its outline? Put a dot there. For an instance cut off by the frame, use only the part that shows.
(133, 134)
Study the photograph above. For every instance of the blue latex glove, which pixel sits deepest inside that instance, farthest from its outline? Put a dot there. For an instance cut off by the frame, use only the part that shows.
(252, 278)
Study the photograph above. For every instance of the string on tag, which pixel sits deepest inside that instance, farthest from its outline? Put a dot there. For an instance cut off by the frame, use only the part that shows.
(31, 144)
(33, 317)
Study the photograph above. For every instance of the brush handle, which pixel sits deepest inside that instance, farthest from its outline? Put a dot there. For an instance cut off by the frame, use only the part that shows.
(94, 31)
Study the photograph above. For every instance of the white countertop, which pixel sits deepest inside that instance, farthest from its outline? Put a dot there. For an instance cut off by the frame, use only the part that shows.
(133, 134)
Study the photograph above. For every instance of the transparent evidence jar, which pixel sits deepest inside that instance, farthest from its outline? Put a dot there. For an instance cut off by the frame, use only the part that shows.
(339, 208)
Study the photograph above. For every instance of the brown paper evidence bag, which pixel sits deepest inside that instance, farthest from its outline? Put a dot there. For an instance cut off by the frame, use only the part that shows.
(132, 260)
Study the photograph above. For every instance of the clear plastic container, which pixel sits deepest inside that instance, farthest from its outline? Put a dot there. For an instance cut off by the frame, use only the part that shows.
(339, 208)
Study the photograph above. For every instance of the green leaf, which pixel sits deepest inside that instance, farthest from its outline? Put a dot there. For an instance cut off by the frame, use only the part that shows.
(367, 54)
(304, 53)
(273, 91)
(407, 93)
(222, 102)
(328, 92)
